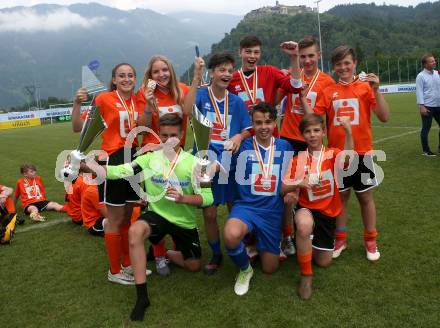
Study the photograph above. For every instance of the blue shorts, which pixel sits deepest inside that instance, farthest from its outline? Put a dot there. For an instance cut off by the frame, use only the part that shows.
(223, 192)
(265, 224)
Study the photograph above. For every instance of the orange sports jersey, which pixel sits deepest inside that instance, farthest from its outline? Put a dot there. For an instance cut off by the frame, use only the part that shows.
(166, 105)
(355, 100)
(323, 196)
(269, 80)
(72, 204)
(90, 206)
(30, 191)
(294, 112)
(118, 120)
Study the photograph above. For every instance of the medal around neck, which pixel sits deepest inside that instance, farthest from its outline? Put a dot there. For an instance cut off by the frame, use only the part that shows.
(93, 125)
(201, 128)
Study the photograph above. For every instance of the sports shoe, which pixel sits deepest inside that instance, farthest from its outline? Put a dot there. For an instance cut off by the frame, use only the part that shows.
(282, 257)
(37, 217)
(340, 245)
(162, 267)
(251, 252)
(373, 253)
(305, 287)
(129, 270)
(120, 278)
(288, 246)
(241, 286)
(214, 264)
(429, 153)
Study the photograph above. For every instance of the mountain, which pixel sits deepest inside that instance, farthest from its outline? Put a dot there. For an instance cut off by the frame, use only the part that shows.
(46, 45)
(377, 33)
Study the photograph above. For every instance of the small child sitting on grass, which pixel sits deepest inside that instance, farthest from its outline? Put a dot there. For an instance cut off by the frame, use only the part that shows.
(31, 191)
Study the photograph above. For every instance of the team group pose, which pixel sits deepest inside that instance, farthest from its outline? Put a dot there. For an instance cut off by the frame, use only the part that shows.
(286, 188)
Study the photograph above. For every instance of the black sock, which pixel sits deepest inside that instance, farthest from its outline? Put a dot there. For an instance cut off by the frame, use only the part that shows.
(142, 302)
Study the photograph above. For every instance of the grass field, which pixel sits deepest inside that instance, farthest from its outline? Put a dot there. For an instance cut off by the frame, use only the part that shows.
(54, 274)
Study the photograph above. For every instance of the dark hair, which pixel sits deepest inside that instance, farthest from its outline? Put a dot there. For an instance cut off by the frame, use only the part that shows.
(111, 86)
(309, 41)
(425, 58)
(341, 52)
(220, 59)
(170, 120)
(250, 41)
(265, 107)
(27, 166)
(310, 119)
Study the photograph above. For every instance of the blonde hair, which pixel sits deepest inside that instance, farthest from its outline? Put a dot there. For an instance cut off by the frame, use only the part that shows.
(175, 91)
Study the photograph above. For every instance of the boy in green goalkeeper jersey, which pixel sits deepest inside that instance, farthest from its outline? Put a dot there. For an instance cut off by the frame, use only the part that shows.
(173, 193)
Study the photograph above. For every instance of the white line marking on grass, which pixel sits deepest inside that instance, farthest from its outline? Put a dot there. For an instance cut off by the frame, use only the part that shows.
(396, 136)
(42, 225)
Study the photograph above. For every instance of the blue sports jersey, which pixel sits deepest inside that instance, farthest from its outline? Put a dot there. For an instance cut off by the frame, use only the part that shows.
(252, 189)
(237, 121)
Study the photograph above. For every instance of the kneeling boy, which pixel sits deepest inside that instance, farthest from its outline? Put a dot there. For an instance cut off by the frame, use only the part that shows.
(258, 207)
(173, 192)
(312, 172)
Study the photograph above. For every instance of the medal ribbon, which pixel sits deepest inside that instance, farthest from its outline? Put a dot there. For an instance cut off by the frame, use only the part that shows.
(355, 79)
(224, 122)
(128, 110)
(252, 95)
(173, 164)
(266, 173)
(33, 188)
(312, 81)
(319, 164)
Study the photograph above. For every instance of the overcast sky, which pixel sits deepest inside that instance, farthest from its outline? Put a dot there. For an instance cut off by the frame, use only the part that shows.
(239, 7)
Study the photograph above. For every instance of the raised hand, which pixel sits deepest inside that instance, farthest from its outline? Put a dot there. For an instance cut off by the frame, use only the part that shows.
(80, 96)
(290, 48)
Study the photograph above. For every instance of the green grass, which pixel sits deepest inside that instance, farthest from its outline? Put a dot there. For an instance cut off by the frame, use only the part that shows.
(56, 277)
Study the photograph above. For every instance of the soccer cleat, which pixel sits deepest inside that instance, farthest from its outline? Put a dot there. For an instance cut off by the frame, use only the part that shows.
(288, 246)
(305, 287)
(282, 257)
(129, 270)
(251, 252)
(373, 253)
(429, 153)
(37, 217)
(120, 278)
(162, 267)
(340, 245)
(241, 286)
(214, 264)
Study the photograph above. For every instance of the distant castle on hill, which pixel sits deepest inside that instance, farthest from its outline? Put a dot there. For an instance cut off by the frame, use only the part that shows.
(279, 9)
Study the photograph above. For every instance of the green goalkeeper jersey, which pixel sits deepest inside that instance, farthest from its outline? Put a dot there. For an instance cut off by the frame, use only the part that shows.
(155, 168)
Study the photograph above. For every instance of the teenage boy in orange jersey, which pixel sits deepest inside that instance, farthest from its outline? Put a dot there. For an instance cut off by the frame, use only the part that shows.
(354, 97)
(313, 174)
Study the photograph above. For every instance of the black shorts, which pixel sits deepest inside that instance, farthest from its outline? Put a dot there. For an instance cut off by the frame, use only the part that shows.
(323, 230)
(117, 192)
(187, 240)
(98, 228)
(41, 206)
(363, 177)
(297, 145)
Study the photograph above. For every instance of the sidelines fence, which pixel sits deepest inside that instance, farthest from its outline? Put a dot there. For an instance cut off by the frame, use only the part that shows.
(14, 120)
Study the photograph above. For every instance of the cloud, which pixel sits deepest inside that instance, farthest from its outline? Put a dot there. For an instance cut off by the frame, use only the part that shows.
(28, 20)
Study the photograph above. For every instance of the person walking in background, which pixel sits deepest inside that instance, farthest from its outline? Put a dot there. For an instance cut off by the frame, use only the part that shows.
(428, 99)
